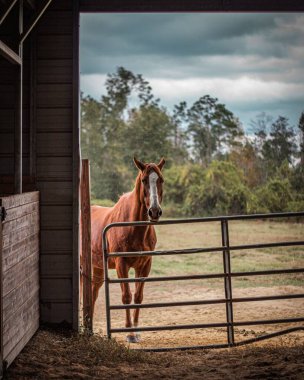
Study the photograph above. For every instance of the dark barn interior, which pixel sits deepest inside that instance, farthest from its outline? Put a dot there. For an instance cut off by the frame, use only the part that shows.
(40, 155)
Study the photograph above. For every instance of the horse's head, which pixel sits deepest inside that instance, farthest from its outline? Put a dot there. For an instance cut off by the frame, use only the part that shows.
(151, 190)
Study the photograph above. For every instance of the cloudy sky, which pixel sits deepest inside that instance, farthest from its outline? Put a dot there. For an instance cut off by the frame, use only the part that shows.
(251, 62)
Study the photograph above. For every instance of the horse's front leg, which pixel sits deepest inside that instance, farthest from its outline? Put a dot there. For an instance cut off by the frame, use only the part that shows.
(122, 270)
(139, 292)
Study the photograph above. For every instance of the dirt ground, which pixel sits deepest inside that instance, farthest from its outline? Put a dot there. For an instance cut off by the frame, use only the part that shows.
(63, 355)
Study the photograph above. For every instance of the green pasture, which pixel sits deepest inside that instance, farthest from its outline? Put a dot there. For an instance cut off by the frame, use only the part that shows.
(241, 232)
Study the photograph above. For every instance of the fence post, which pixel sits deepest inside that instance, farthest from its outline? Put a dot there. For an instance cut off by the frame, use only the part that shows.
(86, 246)
(106, 283)
(227, 281)
(1, 301)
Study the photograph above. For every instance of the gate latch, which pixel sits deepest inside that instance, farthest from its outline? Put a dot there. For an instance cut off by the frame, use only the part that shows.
(3, 214)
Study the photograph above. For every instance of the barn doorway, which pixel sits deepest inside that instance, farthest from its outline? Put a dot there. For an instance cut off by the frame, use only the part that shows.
(126, 90)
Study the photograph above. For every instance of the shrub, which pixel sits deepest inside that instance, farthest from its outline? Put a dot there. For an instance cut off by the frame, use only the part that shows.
(274, 196)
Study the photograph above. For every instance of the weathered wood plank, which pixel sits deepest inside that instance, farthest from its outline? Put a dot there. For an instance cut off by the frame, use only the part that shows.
(7, 119)
(7, 143)
(7, 188)
(7, 165)
(54, 95)
(55, 71)
(54, 119)
(21, 211)
(55, 193)
(24, 221)
(13, 254)
(56, 266)
(54, 167)
(32, 327)
(20, 199)
(55, 47)
(56, 289)
(1, 301)
(17, 325)
(19, 273)
(25, 290)
(56, 22)
(53, 312)
(62, 5)
(54, 144)
(52, 241)
(56, 217)
(86, 245)
(20, 235)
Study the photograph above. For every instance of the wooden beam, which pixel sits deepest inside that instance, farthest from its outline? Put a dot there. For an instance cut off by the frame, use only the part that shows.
(86, 245)
(33, 105)
(6, 13)
(31, 4)
(191, 6)
(25, 34)
(19, 115)
(1, 300)
(76, 167)
(9, 54)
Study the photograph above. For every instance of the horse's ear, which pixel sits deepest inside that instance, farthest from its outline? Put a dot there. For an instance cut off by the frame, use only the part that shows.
(140, 165)
(161, 163)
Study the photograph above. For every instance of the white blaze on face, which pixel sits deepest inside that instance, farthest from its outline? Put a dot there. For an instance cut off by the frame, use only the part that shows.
(153, 177)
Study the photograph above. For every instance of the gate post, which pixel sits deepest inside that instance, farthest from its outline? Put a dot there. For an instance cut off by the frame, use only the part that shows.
(227, 281)
(86, 245)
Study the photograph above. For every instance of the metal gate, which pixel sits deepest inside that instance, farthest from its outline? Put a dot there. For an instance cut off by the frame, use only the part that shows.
(226, 275)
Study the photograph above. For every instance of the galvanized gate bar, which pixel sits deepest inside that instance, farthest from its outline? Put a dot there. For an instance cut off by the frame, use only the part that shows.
(207, 219)
(106, 283)
(236, 344)
(205, 302)
(206, 325)
(205, 276)
(227, 275)
(205, 250)
(227, 281)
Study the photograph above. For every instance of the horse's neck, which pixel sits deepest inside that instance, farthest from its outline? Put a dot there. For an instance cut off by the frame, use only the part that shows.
(131, 208)
(138, 210)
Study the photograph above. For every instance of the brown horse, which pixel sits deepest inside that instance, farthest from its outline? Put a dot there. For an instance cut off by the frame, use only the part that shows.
(142, 204)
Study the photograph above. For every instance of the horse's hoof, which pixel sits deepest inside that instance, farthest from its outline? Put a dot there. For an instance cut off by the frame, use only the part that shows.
(133, 338)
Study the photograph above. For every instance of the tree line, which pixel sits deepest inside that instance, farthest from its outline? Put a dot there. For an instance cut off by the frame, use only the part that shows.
(213, 167)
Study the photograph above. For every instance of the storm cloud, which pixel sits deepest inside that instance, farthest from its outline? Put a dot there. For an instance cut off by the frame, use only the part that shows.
(251, 62)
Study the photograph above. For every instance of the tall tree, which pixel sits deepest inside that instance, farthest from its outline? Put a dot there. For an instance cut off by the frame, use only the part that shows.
(179, 138)
(301, 128)
(212, 128)
(261, 128)
(280, 146)
(147, 134)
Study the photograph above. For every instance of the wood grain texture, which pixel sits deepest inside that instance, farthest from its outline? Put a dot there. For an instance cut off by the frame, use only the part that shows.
(20, 272)
(17, 326)
(86, 245)
(1, 301)
(57, 312)
(28, 334)
(18, 200)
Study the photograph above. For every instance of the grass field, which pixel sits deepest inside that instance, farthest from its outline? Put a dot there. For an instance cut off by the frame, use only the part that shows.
(241, 232)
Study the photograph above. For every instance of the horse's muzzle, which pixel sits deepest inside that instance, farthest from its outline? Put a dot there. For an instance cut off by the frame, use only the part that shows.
(154, 214)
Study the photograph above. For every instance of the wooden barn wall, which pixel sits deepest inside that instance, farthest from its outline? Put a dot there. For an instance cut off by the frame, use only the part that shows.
(20, 272)
(8, 100)
(57, 160)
